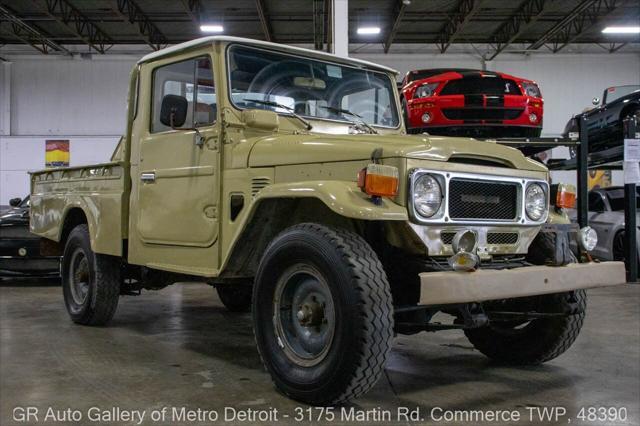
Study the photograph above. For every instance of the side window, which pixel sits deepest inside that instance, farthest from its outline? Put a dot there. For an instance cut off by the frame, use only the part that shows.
(595, 202)
(193, 80)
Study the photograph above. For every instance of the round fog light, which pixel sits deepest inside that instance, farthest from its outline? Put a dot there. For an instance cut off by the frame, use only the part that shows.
(464, 241)
(533, 118)
(587, 238)
(22, 251)
(426, 117)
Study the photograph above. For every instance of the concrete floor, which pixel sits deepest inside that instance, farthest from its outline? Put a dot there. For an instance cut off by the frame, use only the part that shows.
(180, 348)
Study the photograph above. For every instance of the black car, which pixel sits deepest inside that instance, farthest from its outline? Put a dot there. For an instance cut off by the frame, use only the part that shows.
(604, 122)
(21, 252)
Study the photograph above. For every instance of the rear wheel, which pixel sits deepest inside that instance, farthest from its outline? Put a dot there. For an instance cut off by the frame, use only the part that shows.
(322, 314)
(90, 281)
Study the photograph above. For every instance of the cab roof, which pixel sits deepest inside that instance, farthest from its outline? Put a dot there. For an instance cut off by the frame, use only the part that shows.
(259, 43)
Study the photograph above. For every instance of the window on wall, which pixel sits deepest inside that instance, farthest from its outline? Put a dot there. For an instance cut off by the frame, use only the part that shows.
(191, 79)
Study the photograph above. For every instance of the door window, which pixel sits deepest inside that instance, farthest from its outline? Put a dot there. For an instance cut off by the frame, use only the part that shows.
(193, 80)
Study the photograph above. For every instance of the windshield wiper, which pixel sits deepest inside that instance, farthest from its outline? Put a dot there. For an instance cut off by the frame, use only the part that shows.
(277, 105)
(353, 114)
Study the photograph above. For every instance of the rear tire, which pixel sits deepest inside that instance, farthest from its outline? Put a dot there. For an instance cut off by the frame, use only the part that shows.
(322, 314)
(90, 281)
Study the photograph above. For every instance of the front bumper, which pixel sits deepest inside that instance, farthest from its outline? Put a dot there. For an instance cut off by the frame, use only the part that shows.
(451, 287)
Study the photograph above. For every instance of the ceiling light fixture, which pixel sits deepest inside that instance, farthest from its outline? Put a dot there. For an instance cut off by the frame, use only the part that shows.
(369, 30)
(621, 30)
(211, 28)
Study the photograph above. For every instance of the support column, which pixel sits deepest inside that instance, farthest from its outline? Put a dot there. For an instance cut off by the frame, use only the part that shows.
(340, 27)
(5, 98)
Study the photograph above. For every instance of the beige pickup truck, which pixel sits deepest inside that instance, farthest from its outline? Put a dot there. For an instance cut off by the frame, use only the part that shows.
(284, 178)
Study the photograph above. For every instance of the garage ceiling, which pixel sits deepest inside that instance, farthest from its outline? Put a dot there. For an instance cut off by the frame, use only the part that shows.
(49, 25)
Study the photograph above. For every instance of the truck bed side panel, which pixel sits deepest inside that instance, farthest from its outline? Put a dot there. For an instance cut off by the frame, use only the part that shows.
(98, 190)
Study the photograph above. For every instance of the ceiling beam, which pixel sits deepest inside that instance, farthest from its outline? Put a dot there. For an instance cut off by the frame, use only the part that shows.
(318, 24)
(66, 14)
(529, 12)
(264, 20)
(401, 8)
(574, 23)
(460, 17)
(585, 20)
(149, 32)
(614, 47)
(29, 34)
(194, 9)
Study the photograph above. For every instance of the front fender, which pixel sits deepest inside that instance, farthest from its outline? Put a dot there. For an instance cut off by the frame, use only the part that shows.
(343, 198)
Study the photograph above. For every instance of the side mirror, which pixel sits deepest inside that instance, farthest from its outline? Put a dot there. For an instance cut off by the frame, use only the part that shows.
(595, 101)
(173, 111)
(261, 119)
(15, 202)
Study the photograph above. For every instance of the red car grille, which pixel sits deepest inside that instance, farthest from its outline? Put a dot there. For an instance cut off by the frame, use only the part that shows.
(477, 85)
(482, 113)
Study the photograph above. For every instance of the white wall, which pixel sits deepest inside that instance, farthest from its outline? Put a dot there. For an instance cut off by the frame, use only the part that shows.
(80, 99)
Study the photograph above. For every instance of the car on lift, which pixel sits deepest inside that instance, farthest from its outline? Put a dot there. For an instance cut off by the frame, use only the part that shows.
(21, 252)
(605, 120)
(606, 217)
(467, 102)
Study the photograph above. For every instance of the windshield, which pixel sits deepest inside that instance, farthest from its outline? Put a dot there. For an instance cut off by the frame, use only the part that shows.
(616, 92)
(617, 200)
(311, 88)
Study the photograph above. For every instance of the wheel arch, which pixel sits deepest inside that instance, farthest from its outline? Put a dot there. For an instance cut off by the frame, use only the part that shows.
(331, 203)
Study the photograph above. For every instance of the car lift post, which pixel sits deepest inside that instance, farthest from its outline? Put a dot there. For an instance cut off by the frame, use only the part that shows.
(630, 244)
(583, 178)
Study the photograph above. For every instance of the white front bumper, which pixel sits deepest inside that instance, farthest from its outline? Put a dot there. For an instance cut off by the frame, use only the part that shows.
(441, 288)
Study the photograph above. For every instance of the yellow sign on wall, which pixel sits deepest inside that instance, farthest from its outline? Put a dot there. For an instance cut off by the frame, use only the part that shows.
(57, 153)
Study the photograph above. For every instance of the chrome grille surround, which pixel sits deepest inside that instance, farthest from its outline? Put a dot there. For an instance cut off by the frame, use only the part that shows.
(443, 216)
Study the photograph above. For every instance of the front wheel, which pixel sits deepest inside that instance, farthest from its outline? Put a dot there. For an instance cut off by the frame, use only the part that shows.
(322, 314)
(535, 341)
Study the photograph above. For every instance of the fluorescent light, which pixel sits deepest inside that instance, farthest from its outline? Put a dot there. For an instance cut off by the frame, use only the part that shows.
(621, 30)
(211, 28)
(369, 30)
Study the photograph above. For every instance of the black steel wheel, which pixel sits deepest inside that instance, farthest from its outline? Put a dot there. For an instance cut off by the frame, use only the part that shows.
(322, 314)
(90, 281)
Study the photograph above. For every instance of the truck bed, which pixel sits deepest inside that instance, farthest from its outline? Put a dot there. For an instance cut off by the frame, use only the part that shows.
(97, 191)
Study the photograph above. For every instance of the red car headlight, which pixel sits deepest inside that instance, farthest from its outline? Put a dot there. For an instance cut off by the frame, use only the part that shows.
(532, 89)
(425, 90)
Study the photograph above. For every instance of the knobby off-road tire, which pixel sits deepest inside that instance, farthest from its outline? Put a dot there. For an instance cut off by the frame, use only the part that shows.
(322, 314)
(539, 340)
(236, 298)
(90, 281)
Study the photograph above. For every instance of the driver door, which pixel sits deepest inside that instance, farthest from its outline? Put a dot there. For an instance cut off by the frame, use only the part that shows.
(178, 186)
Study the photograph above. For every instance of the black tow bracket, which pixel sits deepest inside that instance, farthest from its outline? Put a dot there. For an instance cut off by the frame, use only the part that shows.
(562, 253)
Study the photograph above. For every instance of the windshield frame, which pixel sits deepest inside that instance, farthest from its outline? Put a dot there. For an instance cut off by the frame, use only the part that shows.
(392, 85)
(605, 96)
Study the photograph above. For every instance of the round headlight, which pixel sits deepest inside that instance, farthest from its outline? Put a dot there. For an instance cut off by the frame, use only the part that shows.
(427, 195)
(535, 203)
(587, 238)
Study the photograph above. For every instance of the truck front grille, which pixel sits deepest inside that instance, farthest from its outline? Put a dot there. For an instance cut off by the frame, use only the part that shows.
(475, 199)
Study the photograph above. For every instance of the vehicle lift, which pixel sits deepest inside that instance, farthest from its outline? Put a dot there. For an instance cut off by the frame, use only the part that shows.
(609, 159)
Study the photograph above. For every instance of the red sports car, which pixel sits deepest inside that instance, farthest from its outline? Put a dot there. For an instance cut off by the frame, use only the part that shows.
(465, 102)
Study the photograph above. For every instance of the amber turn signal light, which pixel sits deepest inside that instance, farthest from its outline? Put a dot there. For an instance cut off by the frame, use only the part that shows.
(379, 180)
(566, 196)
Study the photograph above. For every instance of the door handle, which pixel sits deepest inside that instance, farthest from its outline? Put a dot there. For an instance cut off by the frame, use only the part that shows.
(148, 177)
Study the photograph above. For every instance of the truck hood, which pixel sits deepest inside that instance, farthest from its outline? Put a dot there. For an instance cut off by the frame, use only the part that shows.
(306, 149)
